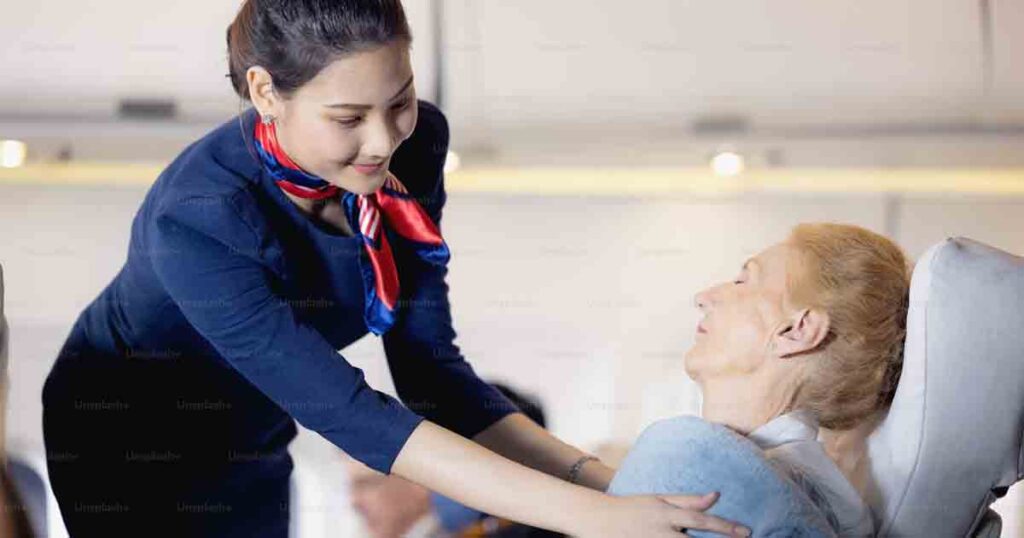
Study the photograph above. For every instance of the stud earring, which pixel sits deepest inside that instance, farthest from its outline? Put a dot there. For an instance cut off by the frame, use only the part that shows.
(268, 119)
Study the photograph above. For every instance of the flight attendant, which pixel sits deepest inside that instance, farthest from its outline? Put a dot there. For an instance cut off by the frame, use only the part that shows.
(266, 246)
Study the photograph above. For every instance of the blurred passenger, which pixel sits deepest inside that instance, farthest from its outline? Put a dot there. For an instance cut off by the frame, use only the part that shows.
(14, 522)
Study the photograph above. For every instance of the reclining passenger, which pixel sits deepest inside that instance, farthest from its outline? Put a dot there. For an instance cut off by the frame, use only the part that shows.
(809, 334)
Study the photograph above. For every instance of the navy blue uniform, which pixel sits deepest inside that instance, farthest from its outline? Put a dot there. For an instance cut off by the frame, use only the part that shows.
(174, 398)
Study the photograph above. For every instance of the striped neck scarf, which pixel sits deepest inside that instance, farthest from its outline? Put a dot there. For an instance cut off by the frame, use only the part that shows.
(391, 209)
(288, 175)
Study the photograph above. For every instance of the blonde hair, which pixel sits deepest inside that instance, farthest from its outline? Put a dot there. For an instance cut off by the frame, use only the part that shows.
(862, 280)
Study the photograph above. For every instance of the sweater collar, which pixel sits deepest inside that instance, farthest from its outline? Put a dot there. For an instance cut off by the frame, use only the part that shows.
(788, 428)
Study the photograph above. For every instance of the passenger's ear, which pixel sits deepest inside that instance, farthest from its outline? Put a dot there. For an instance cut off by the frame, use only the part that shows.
(804, 332)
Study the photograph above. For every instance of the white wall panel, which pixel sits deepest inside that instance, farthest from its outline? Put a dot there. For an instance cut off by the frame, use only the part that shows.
(1008, 60)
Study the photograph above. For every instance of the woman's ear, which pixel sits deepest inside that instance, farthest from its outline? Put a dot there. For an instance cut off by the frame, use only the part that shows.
(805, 331)
(261, 91)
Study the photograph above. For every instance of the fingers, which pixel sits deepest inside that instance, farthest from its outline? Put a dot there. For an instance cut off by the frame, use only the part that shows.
(692, 502)
(698, 521)
(691, 515)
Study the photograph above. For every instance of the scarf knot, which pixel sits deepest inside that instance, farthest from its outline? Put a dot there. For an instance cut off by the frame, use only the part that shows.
(390, 209)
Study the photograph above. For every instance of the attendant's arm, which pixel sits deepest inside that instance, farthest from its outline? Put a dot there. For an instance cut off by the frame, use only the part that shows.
(520, 439)
(207, 254)
(477, 477)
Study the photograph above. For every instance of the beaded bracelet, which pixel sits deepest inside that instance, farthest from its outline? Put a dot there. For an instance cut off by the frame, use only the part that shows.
(574, 472)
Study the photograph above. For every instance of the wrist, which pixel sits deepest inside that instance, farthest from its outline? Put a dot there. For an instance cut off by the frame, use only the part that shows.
(600, 476)
(594, 474)
(573, 476)
(597, 506)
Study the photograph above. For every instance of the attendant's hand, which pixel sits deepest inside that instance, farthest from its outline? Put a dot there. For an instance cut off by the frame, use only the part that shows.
(656, 517)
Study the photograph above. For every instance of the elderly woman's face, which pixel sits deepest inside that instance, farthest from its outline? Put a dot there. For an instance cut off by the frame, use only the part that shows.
(741, 316)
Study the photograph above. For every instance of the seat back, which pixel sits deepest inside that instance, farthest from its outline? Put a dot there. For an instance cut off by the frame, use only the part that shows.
(951, 442)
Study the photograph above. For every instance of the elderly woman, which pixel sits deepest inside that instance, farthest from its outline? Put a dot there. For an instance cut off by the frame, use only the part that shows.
(810, 334)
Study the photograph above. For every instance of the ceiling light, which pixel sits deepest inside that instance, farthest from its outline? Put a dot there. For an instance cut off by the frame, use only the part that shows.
(728, 164)
(12, 153)
(452, 162)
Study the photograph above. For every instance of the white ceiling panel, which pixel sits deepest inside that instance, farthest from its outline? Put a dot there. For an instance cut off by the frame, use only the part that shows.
(642, 60)
(76, 58)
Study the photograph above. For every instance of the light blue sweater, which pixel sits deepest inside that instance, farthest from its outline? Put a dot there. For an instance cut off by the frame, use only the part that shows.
(762, 480)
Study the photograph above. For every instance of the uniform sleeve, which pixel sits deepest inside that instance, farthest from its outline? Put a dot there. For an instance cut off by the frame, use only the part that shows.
(206, 255)
(431, 376)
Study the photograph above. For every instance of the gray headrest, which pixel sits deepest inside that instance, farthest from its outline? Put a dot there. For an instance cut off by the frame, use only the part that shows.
(954, 431)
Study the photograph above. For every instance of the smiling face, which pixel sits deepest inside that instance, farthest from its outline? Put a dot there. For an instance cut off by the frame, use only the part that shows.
(346, 123)
(742, 317)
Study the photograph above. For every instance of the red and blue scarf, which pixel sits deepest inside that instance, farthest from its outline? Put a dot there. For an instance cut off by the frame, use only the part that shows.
(372, 216)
